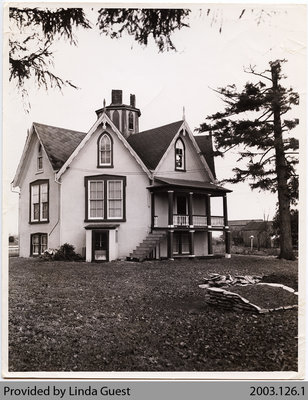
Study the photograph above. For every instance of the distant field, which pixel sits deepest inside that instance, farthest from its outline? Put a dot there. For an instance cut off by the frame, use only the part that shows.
(151, 316)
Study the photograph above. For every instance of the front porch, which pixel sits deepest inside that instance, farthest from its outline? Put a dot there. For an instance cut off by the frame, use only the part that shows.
(184, 208)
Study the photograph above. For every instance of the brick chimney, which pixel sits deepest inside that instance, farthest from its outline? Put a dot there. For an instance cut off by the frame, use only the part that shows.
(133, 100)
(116, 96)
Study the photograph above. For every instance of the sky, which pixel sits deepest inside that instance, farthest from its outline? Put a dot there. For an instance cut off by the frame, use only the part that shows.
(163, 83)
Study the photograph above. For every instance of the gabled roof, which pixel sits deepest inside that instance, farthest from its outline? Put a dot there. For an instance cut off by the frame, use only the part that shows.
(152, 144)
(58, 143)
(206, 146)
(102, 120)
(148, 147)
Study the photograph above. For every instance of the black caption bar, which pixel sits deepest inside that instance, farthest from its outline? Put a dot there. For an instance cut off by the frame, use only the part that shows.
(98, 390)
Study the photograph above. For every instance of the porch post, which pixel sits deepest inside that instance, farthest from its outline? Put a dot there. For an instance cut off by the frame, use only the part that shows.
(210, 243)
(190, 210)
(170, 244)
(192, 243)
(225, 211)
(228, 244)
(208, 210)
(152, 210)
(170, 208)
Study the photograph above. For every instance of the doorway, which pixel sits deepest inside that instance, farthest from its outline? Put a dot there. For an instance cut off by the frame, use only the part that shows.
(181, 243)
(181, 205)
(100, 247)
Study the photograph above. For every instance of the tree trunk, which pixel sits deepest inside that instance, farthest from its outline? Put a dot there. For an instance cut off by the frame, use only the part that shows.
(286, 249)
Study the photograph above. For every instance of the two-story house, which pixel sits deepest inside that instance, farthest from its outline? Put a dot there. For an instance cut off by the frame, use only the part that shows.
(115, 192)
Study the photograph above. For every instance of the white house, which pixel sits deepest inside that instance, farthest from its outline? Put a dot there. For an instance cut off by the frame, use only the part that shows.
(115, 192)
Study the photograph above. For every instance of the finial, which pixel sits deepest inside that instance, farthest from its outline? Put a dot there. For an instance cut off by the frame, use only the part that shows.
(104, 103)
(183, 113)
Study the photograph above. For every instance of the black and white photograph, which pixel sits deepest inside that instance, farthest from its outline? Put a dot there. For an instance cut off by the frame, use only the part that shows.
(153, 172)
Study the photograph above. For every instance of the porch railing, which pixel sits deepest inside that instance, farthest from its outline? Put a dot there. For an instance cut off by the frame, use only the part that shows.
(180, 220)
(198, 220)
(217, 221)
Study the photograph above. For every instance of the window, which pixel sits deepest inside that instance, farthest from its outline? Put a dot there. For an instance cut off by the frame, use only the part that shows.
(105, 198)
(116, 118)
(130, 121)
(38, 243)
(105, 158)
(179, 155)
(96, 199)
(40, 158)
(115, 199)
(39, 201)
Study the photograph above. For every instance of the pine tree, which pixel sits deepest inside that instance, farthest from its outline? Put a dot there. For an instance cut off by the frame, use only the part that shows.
(253, 122)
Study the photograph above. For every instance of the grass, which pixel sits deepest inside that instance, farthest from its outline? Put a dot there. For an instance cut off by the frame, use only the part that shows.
(150, 316)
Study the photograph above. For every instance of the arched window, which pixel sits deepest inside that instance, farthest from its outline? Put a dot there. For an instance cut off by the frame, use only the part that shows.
(39, 158)
(179, 155)
(116, 118)
(130, 121)
(105, 151)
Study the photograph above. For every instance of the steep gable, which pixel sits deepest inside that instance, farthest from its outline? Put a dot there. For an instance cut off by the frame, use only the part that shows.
(59, 143)
(103, 121)
(152, 144)
(205, 144)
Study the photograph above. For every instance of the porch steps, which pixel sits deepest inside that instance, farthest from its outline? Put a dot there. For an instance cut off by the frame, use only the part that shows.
(144, 249)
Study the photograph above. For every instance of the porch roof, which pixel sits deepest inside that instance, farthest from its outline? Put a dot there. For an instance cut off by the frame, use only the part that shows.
(102, 226)
(163, 184)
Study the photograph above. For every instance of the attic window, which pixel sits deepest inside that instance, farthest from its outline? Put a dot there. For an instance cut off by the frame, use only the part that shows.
(179, 155)
(39, 158)
(105, 156)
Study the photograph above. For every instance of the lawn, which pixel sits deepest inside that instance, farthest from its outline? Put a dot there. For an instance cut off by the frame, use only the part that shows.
(151, 316)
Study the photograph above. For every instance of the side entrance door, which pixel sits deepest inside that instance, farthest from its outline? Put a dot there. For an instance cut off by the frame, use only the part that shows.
(100, 247)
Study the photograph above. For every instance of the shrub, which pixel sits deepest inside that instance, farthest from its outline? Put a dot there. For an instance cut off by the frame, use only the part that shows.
(66, 252)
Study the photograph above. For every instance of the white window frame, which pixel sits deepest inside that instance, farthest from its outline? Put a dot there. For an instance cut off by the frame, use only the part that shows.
(182, 147)
(39, 158)
(89, 198)
(39, 244)
(100, 151)
(108, 199)
(40, 202)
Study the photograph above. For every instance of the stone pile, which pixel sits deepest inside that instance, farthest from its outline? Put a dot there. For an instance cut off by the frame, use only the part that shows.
(219, 292)
(230, 301)
(217, 280)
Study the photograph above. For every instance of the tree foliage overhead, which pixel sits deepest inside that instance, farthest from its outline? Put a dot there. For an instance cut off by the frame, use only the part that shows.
(248, 123)
(33, 31)
(143, 24)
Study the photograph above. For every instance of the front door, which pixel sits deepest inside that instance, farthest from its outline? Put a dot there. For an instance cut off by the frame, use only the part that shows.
(100, 240)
